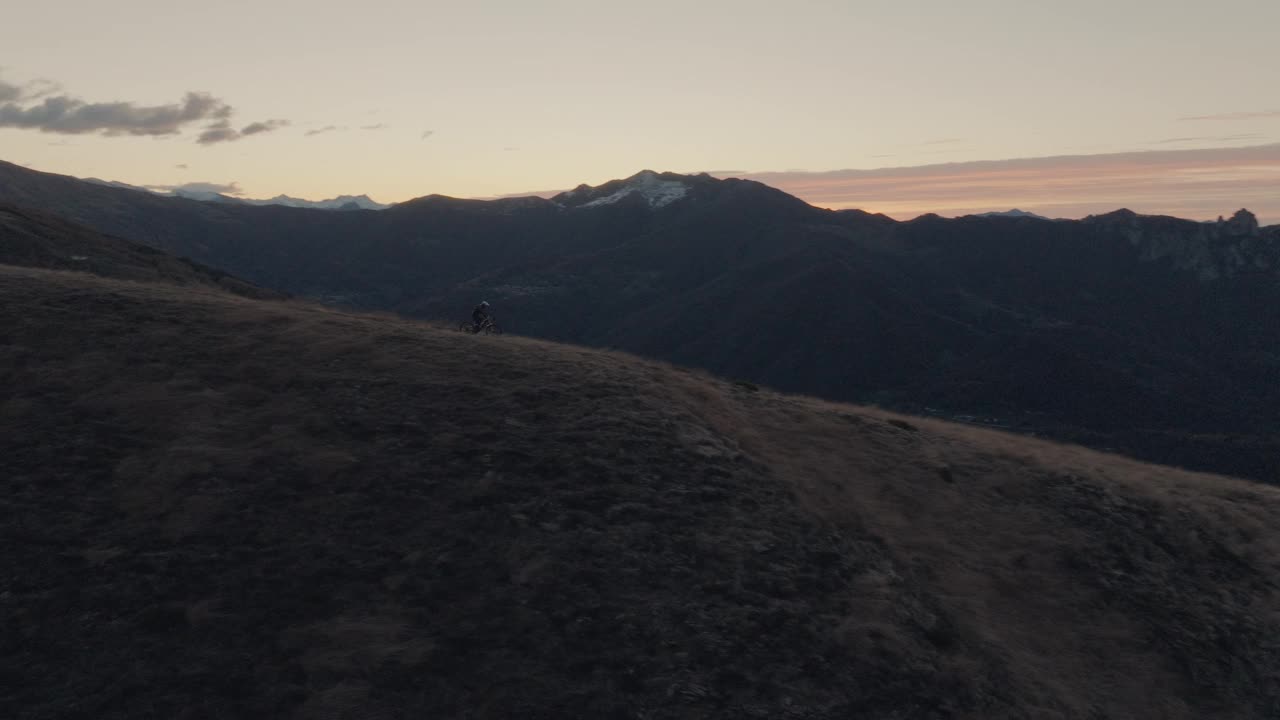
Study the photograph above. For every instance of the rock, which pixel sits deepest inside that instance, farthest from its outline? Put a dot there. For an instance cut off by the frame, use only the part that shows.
(1242, 224)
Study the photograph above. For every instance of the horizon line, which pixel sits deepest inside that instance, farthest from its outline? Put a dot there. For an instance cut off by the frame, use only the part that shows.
(1195, 183)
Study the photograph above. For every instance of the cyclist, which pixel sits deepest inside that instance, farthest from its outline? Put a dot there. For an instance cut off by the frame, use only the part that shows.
(480, 316)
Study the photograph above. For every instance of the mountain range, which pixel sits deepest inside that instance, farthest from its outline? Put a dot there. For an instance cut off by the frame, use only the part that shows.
(342, 202)
(1154, 336)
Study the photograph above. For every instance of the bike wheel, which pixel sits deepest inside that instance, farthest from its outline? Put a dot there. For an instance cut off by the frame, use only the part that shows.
(466, 327)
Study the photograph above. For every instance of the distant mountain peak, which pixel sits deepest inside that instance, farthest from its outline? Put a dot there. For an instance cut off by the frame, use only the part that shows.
(342, 202)
(654, 189)
(1242, 224)
(1014, 213)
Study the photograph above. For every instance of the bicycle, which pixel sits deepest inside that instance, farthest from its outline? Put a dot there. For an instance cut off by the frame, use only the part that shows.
(488, 327)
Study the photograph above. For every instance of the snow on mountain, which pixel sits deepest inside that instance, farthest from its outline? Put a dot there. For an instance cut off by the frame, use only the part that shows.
(1012, 213)
(655, 190)
(342, 202)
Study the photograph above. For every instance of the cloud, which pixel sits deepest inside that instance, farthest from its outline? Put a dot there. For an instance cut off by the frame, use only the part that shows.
(1210, 138)
(1200, 183)
(343, 128)
(944, 141)
(33, 90)
(428, 133)
(181, 166)
(37, 89)
(70, 116)
(1237, 116)
(199, 187)
(218, 132)
(9, 93)
(265, 126)
(222, 131)
(41, 105)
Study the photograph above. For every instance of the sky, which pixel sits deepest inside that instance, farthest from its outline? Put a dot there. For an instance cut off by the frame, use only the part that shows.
(895, 106)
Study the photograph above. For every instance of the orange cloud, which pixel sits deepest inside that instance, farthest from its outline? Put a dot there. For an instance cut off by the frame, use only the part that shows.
(1198, 184)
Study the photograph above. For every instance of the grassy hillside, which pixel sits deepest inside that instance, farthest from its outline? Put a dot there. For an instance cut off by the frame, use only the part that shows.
(219, 507)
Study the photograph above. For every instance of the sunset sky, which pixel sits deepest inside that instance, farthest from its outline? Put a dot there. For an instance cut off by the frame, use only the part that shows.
(898, 106)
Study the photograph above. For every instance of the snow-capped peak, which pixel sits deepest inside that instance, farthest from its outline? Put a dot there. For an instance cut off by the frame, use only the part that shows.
(655, 190)
(342, 202)
(649, 185)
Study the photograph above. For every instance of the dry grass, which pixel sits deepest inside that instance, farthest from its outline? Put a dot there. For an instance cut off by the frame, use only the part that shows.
(216, 507)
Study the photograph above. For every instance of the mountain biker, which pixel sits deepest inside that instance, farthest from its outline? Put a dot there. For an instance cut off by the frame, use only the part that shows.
(480, 316)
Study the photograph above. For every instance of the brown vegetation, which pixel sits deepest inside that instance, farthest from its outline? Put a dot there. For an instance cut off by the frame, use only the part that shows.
(218, 507)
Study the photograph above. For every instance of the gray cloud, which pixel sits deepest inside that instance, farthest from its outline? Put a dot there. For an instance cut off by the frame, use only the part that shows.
(181, 166)
(943, 141)
(264, 126)
(218, 132)
(1237, 116)
(9, 93)
(428, 133)
(222, 131)
(325, 129)
(379, 126)
(200, 187)
(41, 105)
(37, 89)
(31, 91)
(70, 116)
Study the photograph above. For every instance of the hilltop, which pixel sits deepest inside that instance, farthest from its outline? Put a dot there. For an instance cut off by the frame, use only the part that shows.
(216, 506)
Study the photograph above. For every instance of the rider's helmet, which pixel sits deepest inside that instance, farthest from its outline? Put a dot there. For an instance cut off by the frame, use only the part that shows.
(484, 303)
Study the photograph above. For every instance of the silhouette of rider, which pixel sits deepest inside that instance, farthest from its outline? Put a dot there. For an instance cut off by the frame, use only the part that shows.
(480, 316)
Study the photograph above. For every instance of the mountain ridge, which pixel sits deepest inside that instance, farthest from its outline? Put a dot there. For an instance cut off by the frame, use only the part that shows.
(1150, 335)
(341, 202)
